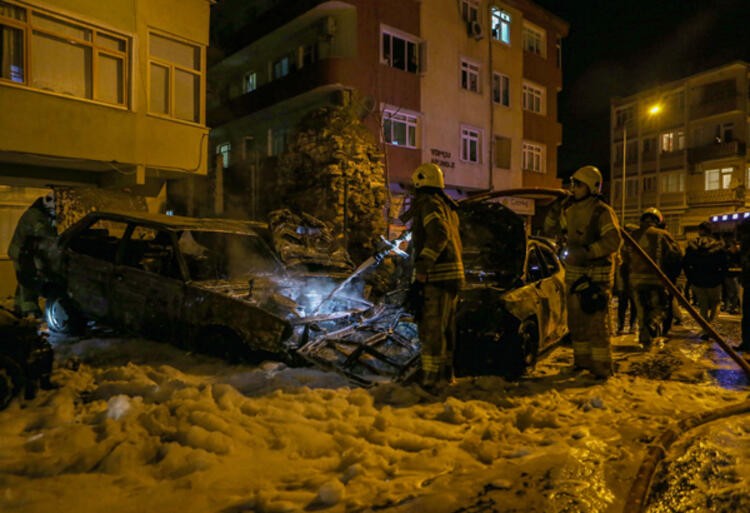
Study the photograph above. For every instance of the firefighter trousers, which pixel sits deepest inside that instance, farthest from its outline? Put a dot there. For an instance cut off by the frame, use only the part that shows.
(651, 302)
(590, 333)
(437, 333)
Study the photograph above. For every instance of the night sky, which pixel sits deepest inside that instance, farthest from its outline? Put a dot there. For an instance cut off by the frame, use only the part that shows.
(617, 48)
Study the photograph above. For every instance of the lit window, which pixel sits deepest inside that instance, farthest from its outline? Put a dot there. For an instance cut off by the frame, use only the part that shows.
(470, 10)
(75, 59)
(501, 25)
(534, 40)
(469, 76)
(223, 151)
(501, 89)
(400, 128)
(532, 156)
(471, 139)
(250, 82)
(175, 78)
(281, 67)
(533, 98)
(718, 178)
(673, 141)
(400, 51)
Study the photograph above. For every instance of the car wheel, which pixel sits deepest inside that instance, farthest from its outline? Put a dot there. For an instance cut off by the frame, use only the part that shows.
(63, 317)
(522, 349)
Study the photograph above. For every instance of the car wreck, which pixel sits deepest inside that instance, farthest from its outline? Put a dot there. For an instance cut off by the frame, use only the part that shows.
(246, 290)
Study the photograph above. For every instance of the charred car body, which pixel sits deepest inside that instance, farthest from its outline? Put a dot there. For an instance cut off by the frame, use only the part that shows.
(243, 289)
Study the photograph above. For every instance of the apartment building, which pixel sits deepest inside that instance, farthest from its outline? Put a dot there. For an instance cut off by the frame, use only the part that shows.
(685, 148)
(100, 94)
(470, 85)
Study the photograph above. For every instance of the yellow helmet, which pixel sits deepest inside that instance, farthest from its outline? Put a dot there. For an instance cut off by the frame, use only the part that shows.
(655, 213)
(591, 176)
(428, 175)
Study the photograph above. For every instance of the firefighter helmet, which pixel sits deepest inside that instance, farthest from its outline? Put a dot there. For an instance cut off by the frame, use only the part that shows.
(428, 175)
(591, 176)
(653, 212)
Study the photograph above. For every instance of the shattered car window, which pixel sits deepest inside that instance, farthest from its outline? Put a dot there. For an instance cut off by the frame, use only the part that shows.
(225, 256)
(99, 240)
(535, 268)
(152, 251)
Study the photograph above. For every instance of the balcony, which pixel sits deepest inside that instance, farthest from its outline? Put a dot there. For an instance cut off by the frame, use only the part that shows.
(717, 106)
(722, 196)
(673, 199)
(716, 151)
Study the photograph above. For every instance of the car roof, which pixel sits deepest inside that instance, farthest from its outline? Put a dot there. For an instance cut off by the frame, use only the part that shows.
(179, 223)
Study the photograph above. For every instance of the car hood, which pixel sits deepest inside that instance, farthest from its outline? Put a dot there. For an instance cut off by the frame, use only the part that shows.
(494, 243)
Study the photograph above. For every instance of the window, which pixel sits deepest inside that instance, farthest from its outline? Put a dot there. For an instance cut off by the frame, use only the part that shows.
(501, 25)
(502, 152)
(617, 188)
(175, 78)
(718, 178)
(74, 59)
(308, 54)
(649, 184)
(623, 117)
(501, 89)
(533, 98)
(470, 10)
(631, 188)
(250, 82)
(672, 182)
(469, 76)
(533, 157)
(470, 144)
(223, 151)
(724, 133)
(534, 40)
(278, 141)
(400, 51)
(99, 240)
(400, 128)
(673, 141)
(281, 67)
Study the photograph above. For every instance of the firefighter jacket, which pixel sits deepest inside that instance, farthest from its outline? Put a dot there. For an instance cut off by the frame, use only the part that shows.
(663, 250)
(705, 262)
(437, 243)
(590, 225)
(34, 225)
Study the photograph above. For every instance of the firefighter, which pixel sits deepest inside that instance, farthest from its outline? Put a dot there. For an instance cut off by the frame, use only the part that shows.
(594, 239)
(438, 273)
(651, 298)
(35, 227)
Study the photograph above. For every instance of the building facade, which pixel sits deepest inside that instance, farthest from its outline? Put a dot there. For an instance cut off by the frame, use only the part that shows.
(470, 85)
(685, 148)
(100, 94)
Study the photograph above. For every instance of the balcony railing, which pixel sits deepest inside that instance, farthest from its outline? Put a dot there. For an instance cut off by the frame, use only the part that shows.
(717, 106)
(716, 151)
(711, 197)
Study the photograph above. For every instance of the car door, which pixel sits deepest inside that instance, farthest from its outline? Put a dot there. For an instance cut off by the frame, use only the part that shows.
(89, 263)
(148, 288)
(552, 288)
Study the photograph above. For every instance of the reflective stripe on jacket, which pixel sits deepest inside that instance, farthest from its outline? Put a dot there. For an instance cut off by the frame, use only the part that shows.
(437, 243)
(660, 246)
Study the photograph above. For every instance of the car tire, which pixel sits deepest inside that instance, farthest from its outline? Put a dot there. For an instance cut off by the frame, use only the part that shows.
(522, 349)
(63, 317)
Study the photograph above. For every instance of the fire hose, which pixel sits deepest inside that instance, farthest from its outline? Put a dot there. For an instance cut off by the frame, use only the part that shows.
(639, 490)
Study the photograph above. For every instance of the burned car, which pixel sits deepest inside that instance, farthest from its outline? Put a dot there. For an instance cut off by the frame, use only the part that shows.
(212, 285)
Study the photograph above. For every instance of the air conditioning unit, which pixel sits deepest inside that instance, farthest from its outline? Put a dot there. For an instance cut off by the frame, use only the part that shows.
(475, 30)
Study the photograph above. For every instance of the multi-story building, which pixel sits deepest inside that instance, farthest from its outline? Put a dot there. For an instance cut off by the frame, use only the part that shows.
(100, 94)
(470, 85)
(685, 146)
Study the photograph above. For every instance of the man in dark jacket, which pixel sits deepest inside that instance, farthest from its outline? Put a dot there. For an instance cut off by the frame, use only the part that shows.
(35, 226)
(705, 266)
(743, 234)
(438, 273)
(651, 297)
